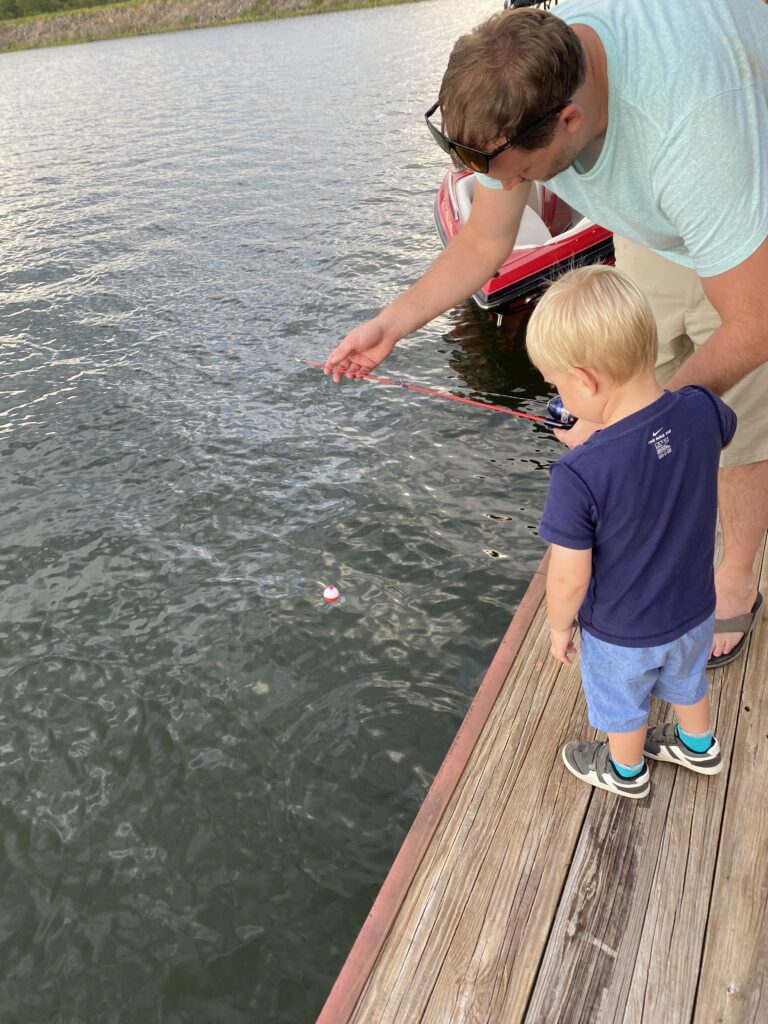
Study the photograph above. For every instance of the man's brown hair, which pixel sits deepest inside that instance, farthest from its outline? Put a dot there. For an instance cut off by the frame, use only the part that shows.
(507, 73)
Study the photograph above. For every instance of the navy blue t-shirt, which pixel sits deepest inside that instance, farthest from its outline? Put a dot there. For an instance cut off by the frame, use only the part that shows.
(642, 494)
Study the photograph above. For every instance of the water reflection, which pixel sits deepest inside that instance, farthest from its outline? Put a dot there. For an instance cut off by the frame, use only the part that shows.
(491, 359)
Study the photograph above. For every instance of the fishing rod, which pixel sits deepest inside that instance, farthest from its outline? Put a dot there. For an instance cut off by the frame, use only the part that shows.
(557, 417)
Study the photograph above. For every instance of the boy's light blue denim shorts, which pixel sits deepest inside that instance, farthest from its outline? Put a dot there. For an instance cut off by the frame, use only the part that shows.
(618, 681)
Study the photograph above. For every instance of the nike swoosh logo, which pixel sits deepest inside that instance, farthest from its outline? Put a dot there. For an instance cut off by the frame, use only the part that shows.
(656, 432)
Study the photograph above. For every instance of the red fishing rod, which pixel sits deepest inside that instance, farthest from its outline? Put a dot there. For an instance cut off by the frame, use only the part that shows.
(557, 417)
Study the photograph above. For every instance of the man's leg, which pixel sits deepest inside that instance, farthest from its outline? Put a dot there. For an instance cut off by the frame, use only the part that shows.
(685, 320)
(743, 502)
(742, 485)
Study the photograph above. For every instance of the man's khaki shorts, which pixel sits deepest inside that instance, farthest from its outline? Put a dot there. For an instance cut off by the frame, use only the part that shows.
(685, 320)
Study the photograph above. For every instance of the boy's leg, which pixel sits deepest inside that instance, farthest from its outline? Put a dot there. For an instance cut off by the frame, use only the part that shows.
(690, 744)
(683, 682)
(617, 683)
(627, 748)
(694, 719)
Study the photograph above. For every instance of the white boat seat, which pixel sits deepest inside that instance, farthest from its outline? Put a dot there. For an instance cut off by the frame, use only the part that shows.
(533, 230)
(465, 189)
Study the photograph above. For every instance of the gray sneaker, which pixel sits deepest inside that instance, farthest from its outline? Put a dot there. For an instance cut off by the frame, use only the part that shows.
(663, 744)
(591, 762)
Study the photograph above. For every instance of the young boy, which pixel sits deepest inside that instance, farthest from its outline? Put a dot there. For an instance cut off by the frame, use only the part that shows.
(631, 519)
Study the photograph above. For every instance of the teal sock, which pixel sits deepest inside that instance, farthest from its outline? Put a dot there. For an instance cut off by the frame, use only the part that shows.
(628, 771)
(698, 742)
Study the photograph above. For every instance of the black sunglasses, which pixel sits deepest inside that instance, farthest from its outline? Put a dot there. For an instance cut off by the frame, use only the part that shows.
(476, 159)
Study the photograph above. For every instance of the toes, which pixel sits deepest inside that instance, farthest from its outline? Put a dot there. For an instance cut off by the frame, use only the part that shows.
(724, 643)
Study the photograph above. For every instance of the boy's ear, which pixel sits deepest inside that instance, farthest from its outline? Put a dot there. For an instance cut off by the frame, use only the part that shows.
(587, 378)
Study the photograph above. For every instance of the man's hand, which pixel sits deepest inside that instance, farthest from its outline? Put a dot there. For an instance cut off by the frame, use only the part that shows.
(361, 351)
(740, 344)
(578, 434)
(562, 646)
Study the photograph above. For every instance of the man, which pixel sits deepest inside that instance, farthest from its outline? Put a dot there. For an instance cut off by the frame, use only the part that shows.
(652, 119)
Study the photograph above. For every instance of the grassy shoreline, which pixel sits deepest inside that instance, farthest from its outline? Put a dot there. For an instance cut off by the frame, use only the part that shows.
(147, 17)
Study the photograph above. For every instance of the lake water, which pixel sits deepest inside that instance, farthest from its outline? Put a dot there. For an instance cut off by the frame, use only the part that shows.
(205, 770)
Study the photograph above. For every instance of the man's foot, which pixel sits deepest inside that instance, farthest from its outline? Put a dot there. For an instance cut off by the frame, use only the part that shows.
(731, 634)
(664, 744)
(591, 762)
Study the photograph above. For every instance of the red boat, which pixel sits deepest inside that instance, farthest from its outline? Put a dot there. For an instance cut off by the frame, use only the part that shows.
(553, 238)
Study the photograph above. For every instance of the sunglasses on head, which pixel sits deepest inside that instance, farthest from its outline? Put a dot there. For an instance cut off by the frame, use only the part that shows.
(477, 159)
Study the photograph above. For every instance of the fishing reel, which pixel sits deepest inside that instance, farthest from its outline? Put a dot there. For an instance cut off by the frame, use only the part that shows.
(558, 417)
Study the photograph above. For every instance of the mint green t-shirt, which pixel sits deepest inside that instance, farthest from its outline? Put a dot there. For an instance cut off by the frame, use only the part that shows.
(684, 166)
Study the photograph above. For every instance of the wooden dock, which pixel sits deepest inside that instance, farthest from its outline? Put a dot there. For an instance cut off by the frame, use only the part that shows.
(522, 895)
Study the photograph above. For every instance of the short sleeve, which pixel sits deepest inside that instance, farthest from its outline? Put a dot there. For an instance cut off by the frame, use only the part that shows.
(570, 514)
(726, 417)
(488, 182)
(712, 180)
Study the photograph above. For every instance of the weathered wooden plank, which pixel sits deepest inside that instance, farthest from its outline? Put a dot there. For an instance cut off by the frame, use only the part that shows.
(664, 969)
(597, 925)
(495, 949)
(734, 976)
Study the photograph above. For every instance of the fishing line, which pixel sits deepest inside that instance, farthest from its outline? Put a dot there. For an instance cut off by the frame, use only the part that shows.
(410, 379)
(433, 393)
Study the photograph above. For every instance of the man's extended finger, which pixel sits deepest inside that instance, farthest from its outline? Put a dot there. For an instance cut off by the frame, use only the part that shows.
(337, 361)
(331, 362)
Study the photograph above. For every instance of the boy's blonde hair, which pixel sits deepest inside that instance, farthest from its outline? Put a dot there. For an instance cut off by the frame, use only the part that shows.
(596, 318)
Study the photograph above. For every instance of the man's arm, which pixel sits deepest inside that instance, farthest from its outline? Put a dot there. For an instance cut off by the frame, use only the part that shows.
(467, 263)
(740, 345)
(568, 578)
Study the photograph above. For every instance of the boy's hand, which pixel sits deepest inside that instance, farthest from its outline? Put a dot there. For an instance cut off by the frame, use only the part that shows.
(578, 433)
(561, 645)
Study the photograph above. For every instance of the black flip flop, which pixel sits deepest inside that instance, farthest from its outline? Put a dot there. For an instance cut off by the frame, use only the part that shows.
(738, 624)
